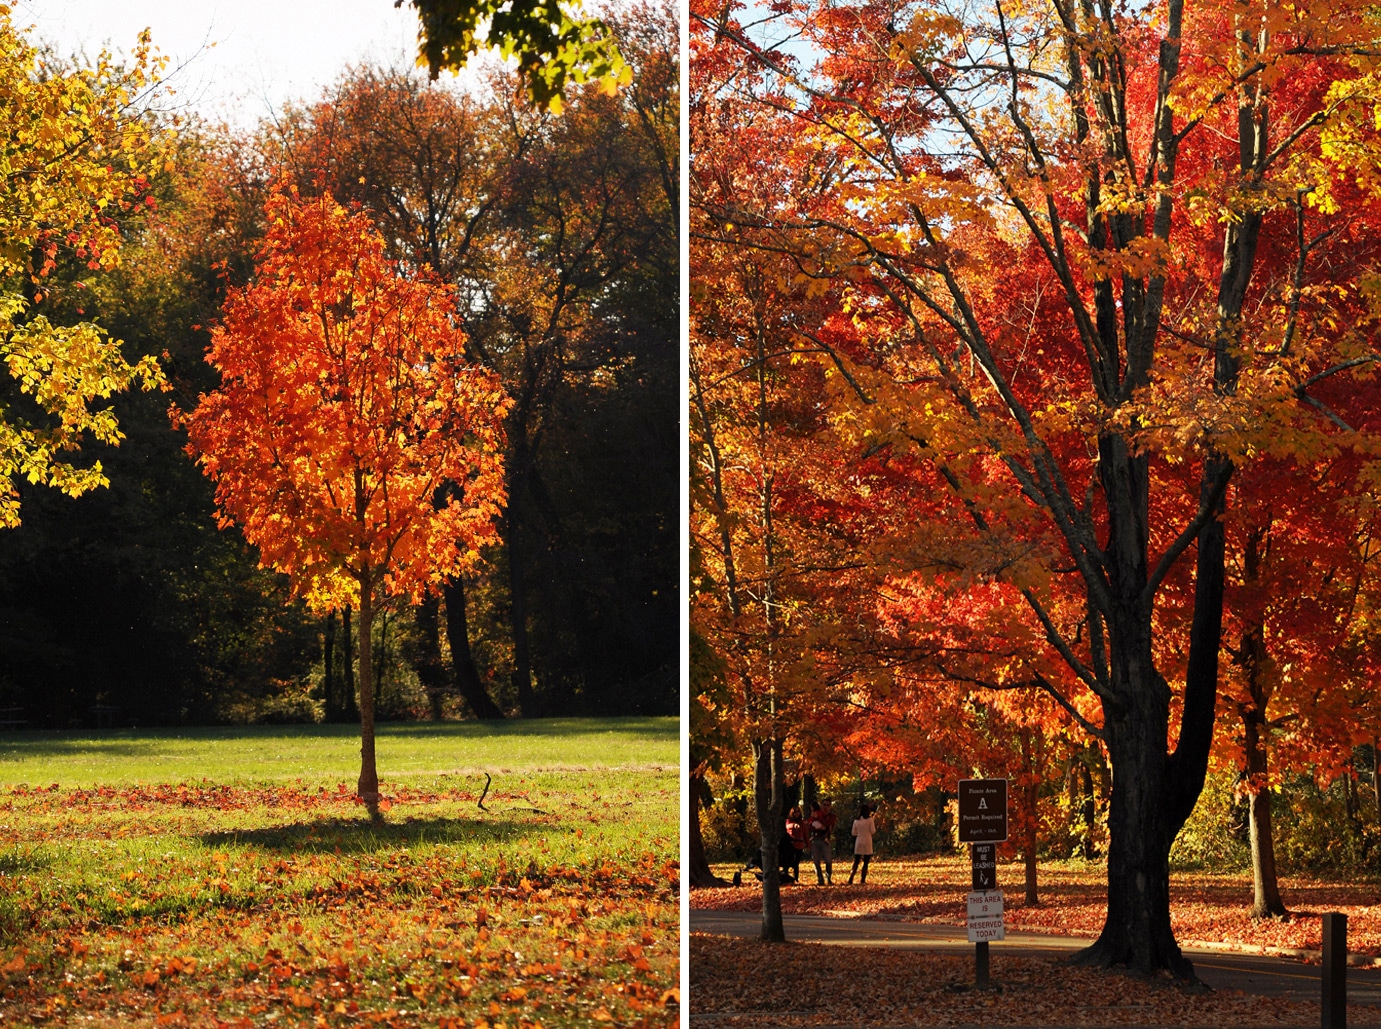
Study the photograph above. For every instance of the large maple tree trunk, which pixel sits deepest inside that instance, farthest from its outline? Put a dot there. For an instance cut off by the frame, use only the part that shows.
(368, 788)
(1137, 929)
(699, 874)
(768, 795)
(1153, 792)
(467, 676)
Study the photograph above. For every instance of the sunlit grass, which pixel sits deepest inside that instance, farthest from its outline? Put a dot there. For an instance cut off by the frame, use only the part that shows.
(195, 881)
(315, 752)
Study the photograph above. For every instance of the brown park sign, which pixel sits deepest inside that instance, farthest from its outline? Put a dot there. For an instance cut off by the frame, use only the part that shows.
(982, 810)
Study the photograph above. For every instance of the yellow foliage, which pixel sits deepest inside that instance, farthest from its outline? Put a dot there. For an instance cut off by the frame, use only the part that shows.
(71, 157)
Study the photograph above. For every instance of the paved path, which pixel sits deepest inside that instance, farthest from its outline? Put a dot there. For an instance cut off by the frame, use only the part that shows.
(1250, 973)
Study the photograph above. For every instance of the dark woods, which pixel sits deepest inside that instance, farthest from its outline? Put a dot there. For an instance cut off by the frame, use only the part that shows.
(129, 604)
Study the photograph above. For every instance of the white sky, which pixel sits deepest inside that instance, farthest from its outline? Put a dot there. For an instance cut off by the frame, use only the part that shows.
(265, 51)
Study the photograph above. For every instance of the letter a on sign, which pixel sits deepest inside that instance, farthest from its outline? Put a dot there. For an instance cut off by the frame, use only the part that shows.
(982, 803)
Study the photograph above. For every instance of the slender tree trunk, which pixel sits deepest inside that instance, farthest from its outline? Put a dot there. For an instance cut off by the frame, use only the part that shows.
(768, 790)
(467, 676)
(1029, 847)
(368, 788)
(1090, 809)
(700, 876)
(1376, 775)
(522, 658)
(431, 672)
(351, 712)
(1030, 800)
(328, 662)
(380, 659)
(1266, 902)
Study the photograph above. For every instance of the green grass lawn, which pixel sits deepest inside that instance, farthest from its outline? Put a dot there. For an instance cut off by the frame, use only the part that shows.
(264, 753)
(228, 877)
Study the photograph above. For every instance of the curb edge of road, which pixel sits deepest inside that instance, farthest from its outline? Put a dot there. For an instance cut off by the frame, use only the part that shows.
(1246, 949)
(1261, 950)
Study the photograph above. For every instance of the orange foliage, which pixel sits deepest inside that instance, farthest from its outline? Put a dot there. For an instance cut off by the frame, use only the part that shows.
(345, 406)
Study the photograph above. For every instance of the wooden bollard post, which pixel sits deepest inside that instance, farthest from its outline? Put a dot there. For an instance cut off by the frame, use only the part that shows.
(1334, 1009)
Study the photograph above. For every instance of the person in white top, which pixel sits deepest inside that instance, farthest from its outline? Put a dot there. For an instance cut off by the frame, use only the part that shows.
(864, 828)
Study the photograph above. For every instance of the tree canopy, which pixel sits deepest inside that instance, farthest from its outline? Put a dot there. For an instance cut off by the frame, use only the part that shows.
(1061, 273)
(75, 164)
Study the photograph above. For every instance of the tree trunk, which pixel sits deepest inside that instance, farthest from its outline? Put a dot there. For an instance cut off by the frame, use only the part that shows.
(380, 658)
(1090, 808)
(768, 789)
(517, 601)
(700, 876)
(1137, 929)
(1153, 792)
(328, 662)
(1032, 897)
(368, 788)
(1030, 799)
(467, 676)
(1376, 775)
(1266, 902)
(431, 672)
(350, 711)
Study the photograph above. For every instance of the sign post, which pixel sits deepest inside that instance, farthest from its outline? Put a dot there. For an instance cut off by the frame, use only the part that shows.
(983, 823)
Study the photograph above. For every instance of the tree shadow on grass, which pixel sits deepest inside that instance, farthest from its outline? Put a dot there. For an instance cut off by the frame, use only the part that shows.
(360, 835)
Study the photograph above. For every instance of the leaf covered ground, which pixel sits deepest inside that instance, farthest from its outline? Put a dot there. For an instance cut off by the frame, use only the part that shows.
(739, 983)
(1207, 907)
(245, 903)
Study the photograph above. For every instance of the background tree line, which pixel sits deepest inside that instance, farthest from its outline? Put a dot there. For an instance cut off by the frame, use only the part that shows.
(560, 233)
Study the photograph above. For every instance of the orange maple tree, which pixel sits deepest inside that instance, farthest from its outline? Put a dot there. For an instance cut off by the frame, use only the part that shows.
(345, 406)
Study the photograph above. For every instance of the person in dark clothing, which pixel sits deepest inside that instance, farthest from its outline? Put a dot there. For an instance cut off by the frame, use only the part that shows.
(821, 827)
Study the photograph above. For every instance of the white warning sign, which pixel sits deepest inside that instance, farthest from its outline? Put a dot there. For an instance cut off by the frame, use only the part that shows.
(985, 916)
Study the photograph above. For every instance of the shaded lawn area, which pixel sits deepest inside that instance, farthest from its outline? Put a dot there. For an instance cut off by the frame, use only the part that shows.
(182, 879)
(1208, 907)
(738, 983)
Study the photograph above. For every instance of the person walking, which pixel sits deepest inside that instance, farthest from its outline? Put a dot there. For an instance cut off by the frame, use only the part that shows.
(796, 832)
(864, 828)
(822, 823)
